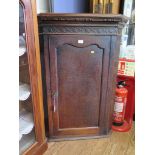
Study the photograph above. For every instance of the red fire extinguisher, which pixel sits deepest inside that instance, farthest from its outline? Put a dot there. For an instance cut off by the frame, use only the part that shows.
(120, 104)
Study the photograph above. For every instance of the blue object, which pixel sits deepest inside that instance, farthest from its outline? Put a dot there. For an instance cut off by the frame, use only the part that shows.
(71, 6)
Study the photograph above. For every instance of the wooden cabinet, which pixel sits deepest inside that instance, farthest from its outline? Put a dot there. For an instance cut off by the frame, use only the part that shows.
(32, 138)
(80, 61)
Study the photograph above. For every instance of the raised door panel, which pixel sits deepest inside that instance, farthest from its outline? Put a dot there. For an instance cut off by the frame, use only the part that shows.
(79, 71)
(79, 83)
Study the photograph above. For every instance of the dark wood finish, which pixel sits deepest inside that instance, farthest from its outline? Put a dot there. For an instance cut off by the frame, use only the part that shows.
(80, 58)
(31, 30)
(78, 83)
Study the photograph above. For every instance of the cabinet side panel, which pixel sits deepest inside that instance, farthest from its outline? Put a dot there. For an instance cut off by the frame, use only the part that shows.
(113, 67)
(44, 69)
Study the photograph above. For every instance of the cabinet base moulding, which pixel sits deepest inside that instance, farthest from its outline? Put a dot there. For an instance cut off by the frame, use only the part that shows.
(37, 149)
(57, 139)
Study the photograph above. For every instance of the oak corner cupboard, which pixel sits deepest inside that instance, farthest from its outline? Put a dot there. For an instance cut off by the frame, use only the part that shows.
(32, 140)
(80, 58)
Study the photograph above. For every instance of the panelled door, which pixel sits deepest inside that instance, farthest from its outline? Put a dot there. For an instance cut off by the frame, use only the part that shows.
(78, 67)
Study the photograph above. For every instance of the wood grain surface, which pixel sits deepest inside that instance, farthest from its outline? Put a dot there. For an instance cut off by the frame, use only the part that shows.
(116, 144)
(79, 80)
(34, 66)
(81, 60)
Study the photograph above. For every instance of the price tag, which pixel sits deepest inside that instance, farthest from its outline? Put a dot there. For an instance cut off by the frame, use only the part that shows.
(80, 41)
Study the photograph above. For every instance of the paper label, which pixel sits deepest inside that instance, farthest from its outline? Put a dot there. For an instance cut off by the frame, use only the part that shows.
(80, 41)
(118, 107)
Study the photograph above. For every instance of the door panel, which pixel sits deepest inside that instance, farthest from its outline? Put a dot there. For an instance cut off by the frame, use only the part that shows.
(78, 80)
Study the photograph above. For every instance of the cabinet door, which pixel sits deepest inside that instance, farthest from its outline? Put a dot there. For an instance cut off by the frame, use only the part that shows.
(31, 121)
(78, 84)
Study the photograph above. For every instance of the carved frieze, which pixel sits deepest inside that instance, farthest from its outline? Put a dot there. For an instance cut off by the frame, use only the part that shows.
(81, 30)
